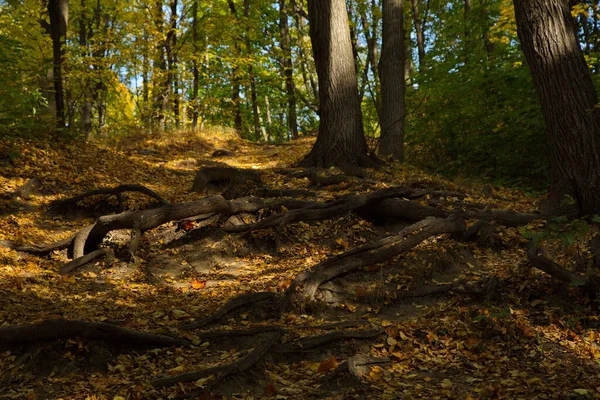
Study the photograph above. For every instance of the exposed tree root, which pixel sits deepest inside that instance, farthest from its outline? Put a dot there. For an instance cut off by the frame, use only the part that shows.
(116, 191)
(55, 329)
(319, 211)
(372, 253)
(311, 342)
(537, 258)
(81, 261)
(411, 211)
(223, 371)
(481, 287)
(89, 239)
(39, 250)
(357, 366)
(236, 302)
(264, 192)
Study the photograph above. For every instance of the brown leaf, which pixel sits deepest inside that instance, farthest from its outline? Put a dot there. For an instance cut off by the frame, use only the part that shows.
(270, 390)
(328, 364)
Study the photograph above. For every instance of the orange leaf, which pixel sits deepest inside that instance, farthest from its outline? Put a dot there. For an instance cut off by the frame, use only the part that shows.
(328, 364)
(270, 390)
(196, 284)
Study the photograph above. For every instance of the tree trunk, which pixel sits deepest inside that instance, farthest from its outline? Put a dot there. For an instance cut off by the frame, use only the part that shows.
(288, 69)
(251, 75)
(159, 77)
(195, 69)
(236, 89)
(419, 33)
(172, 52)
(86, 106)
(340, 141)
(568, 98)
(58, 10)
(391, 70)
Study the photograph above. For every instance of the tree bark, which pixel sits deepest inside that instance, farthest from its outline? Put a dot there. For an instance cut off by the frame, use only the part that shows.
(58, 10)
(419, 30)
(256, 120)
(391, 71)
(341, 140)
(288, 69)
(195, 69)
(160, 84)
(568, 98)
(236, 98)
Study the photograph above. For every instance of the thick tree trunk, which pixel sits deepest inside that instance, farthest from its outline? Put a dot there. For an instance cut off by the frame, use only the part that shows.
(568, 98)
(288, 69)
(340, 141)
(58, 10)
(391, 71)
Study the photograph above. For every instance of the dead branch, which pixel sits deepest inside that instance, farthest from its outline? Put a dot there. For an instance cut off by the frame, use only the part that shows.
(538, 259)
(233, 303)
(223, 371)
(116, 191)
(60, 328)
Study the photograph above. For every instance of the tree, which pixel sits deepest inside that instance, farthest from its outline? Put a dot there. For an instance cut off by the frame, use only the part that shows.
(340, 141)
(391, 72)
(288, 68)
(58, 11)
(568, 99)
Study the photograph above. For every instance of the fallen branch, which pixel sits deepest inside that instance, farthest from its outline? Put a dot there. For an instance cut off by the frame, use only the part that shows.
(60, 328)
(223, 371)
(232, 304)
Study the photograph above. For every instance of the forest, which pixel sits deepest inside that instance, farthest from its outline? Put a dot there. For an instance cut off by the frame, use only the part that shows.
(290, 199)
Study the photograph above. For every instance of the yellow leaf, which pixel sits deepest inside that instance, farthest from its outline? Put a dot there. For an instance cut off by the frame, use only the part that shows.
(376, 373)
(582, 391)
(177, 370)
(446, 384)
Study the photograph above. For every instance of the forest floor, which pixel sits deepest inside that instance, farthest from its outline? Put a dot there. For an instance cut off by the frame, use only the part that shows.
(526, 335)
